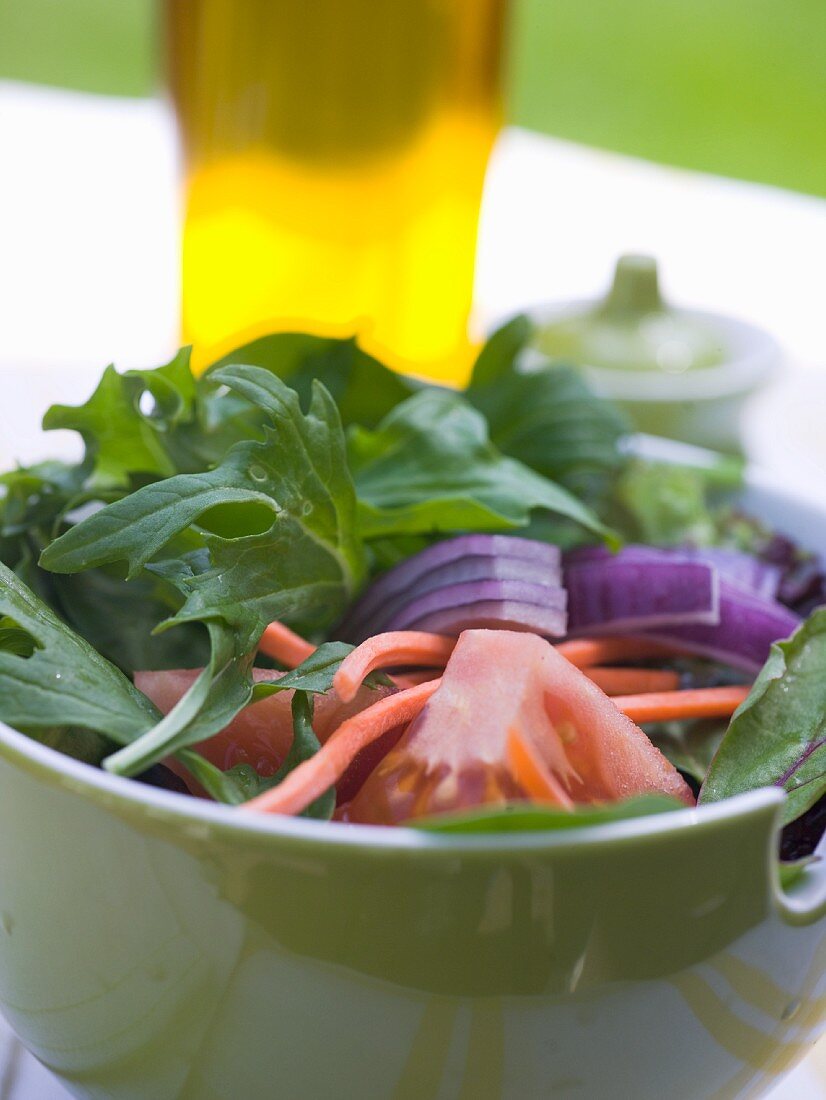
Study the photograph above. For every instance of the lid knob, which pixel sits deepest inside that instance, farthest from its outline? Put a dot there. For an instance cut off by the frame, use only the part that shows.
(636, 286)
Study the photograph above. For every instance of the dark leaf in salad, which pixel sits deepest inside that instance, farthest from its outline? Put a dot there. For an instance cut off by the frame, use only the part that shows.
(543, 414)
(81, 744)
(778, 736)
(86, 602)
(430, 466)
(233, 786)
(363, 388)
(163, 778)
(63, 681)
(14, 639)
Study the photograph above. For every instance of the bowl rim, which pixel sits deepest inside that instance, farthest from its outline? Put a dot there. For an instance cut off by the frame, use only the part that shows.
(176, 808)
(195, 815)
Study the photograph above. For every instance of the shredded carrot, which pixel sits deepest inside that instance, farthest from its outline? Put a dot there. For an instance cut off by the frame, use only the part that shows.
(633, 681)
(584, 652)
(400, 647)
(719, 702)
(531, 773)
(285, 646)
(312, 778)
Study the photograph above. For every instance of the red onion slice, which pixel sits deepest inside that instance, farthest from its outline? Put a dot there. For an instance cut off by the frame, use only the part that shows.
(748, 626)
(405, 577)
(739, 568)
(627, 594)
(462, 571)
(546, 597)
(495, 615)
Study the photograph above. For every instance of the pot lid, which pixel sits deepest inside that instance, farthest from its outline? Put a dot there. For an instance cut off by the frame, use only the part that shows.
(633, 328)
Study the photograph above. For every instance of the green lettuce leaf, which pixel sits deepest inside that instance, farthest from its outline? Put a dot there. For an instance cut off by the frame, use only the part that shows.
(668, 505)
(777, 737)
(429, 466)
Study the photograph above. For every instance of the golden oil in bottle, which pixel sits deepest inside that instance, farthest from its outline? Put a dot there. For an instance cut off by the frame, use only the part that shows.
(335, 153)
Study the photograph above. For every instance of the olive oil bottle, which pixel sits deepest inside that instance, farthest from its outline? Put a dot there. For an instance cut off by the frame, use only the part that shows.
(334, 155)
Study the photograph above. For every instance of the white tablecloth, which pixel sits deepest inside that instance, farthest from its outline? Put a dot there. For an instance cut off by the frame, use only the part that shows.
(88, 275)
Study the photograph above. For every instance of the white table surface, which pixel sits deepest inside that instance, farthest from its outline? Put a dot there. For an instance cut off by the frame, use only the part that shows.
(88, 275)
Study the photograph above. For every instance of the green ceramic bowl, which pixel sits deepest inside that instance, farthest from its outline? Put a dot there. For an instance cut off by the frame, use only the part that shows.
(154, 946)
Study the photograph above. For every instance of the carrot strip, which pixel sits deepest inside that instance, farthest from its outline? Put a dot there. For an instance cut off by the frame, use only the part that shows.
(633, 681)
(719, 702)
(284, 645)
(584, 652)
(312, 778)
(531, 773)
(399, 647)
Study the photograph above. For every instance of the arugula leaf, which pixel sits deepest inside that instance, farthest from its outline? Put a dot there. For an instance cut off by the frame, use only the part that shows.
(777, 737)
(303, 567)
(233, 786)
(99, 604)
(543, 413)
(499, 353)
(315, 674)
(119, 438)
(36, 496)
(523, 817)
(242, 782)
(173, 389)
(64, 681)
(15, 640)
(305, 744)
(362, 387)
(222, 689)
(147, 424)
(429, 466)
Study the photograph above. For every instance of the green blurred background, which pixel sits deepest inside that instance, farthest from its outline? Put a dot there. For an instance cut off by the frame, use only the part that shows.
(736, 87)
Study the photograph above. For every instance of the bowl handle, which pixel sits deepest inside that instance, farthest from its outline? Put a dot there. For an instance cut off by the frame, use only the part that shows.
(805, 902)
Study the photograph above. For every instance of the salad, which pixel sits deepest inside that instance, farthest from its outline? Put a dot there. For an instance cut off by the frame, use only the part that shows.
(303, 584)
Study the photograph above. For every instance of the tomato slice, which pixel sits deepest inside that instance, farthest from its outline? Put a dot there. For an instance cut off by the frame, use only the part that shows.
(513, 720)
(262, 733)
